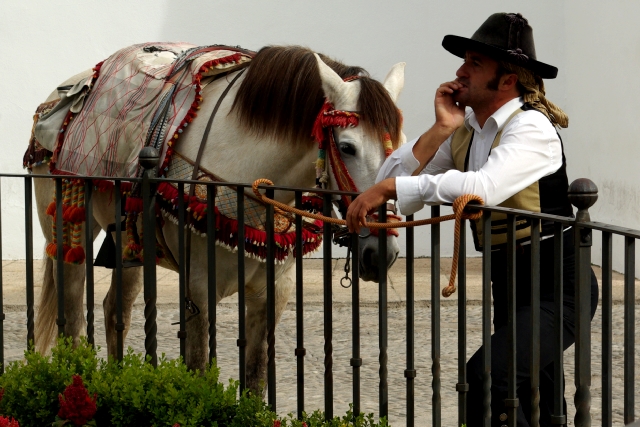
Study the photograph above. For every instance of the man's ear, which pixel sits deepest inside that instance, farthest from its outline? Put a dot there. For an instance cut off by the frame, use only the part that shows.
(509, 81)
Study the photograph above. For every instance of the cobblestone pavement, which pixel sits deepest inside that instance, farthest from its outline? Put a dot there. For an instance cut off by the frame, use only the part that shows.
(15, 337)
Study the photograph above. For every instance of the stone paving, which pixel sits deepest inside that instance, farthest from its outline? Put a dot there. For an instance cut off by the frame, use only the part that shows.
(15, 338)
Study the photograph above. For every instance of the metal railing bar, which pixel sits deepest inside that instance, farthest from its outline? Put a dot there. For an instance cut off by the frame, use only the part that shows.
(328, 310)
(212, 287)
(607, 329)
(149, 267)
(88, 250)
(629, 328)
(182, 272)
(271, 306)
(436, 399)
(383, 325)
(535, 323)
(356, 359)
(28, 230)
(559, 417)
(511, 402)
(620, 231)
(582, 398)
(59, 258)
(119, 326)
(410, 372)
(486, 319)
(2, 315)
(300, 351)
(462, 387)
(242, 325)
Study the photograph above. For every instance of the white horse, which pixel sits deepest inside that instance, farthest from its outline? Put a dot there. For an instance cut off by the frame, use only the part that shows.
(264, 134)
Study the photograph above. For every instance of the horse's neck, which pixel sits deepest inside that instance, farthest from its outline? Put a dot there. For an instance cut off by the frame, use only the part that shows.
(233, 154)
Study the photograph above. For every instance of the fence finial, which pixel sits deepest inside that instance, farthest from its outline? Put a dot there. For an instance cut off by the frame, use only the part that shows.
(148, 157)
(583, 193)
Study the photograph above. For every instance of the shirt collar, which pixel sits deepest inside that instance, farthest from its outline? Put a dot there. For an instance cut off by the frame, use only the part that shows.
(499, 117)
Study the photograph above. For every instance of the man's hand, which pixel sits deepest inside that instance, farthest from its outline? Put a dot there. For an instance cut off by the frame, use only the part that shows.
(449, 117)
(368, 202)
(449, 114)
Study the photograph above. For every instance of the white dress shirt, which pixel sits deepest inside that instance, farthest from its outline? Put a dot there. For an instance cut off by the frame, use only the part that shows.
(529, 149)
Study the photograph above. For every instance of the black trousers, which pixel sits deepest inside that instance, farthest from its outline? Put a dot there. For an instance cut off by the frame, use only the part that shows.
(499, 355)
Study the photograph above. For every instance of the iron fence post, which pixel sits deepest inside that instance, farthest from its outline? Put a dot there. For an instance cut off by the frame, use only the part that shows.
(383, 325)
(2, 315)
(271, 304)
(88, 249)
(60, 321)
(28, 228)
(148, 159)
(436, 382)
(328, 309)
(583, 193)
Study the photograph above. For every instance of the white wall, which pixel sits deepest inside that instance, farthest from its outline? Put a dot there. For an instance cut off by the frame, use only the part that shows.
(46, 42)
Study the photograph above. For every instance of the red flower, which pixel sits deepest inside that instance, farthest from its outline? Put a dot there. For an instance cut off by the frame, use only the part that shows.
(6, 422)
(76, 405)
(276, 423)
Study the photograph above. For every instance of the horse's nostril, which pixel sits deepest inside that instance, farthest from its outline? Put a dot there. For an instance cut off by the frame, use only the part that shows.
(370, 259)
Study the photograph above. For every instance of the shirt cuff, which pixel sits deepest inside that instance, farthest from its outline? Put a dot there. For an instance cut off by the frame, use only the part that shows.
(408, 194)
(407, 159)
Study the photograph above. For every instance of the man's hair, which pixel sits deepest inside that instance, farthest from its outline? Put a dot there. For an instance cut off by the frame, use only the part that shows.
(531, 88)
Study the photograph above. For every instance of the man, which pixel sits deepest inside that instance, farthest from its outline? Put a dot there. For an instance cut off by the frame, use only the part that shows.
(495, 136)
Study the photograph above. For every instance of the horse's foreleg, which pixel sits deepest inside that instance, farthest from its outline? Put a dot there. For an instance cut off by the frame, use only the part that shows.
(131, 286)
(256, 329)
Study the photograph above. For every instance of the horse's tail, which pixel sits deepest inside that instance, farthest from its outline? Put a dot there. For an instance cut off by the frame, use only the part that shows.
(45, 327)
(45, 324)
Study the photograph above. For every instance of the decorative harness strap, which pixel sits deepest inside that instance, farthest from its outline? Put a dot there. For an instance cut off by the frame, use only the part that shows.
(327, 118)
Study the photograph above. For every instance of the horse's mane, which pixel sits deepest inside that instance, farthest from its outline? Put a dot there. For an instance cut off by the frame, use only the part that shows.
(281, 96)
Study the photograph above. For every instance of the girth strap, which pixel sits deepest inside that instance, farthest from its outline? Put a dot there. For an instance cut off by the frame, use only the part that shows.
(192, 187)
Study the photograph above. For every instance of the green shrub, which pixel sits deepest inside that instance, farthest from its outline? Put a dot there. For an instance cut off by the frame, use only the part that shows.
(134, 393)
(317, 419)
(31, 386)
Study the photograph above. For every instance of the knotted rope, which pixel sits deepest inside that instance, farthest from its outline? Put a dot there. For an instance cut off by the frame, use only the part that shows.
(459, 214)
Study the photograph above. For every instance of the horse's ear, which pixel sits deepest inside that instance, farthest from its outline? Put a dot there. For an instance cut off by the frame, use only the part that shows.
(332, 84)
(394, 82)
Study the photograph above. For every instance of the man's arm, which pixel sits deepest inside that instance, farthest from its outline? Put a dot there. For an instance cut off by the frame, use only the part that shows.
(449, 116)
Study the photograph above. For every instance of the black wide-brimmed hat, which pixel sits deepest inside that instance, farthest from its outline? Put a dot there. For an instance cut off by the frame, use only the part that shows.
(504, 37)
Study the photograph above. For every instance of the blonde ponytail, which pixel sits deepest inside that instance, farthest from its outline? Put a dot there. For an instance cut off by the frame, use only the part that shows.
(531, 89)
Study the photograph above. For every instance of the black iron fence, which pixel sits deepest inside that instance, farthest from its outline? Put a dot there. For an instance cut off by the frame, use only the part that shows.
(582, 194)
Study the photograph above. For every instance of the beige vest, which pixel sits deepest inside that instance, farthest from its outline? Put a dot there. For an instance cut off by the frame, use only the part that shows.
(527, 199)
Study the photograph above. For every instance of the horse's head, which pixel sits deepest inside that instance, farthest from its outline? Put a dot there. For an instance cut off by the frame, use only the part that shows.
(361, 147)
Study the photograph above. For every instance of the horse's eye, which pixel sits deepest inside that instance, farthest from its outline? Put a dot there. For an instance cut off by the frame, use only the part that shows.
(348, 149)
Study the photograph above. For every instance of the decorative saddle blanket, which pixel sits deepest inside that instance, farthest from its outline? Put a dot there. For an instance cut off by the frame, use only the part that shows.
(141, 95)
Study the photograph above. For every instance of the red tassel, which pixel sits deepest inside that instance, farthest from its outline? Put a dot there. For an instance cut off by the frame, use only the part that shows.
(51, 209)
(75, 255)
(78, 215)
(317, 131)
(133, 205)
(52, 250)
(67, 212)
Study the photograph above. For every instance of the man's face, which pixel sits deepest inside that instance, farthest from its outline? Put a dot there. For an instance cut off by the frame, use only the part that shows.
(478, 76)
